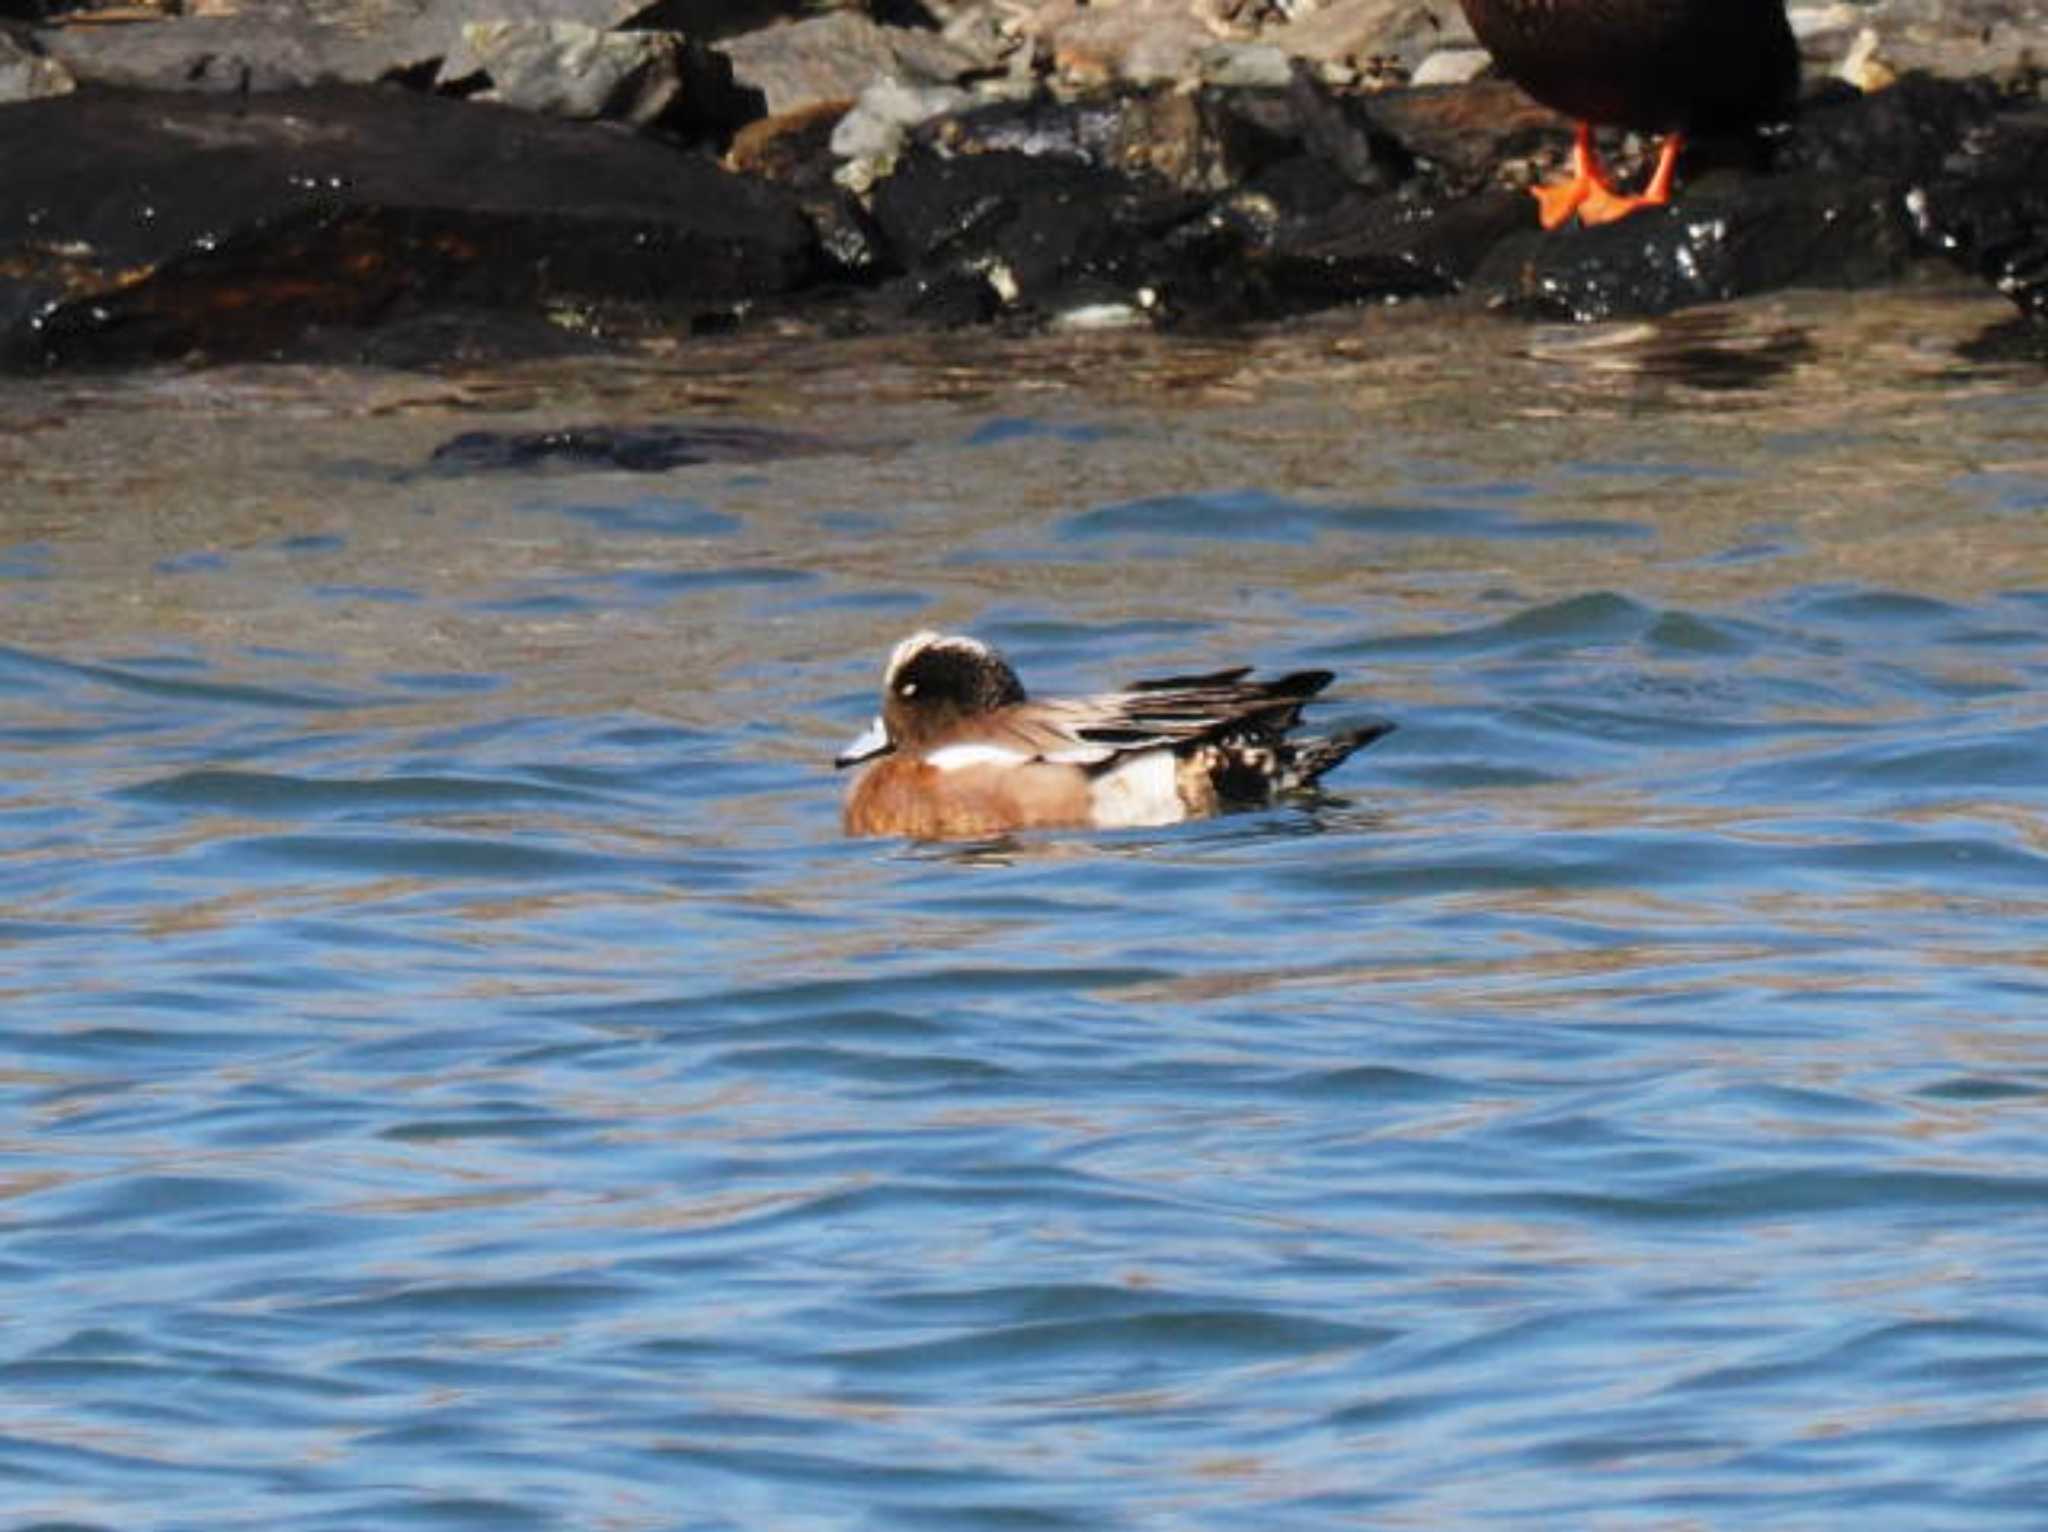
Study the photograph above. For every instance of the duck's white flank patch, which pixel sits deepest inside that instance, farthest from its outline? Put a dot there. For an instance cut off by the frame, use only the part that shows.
(956, 757)
(1081, 755)
(1143, 790)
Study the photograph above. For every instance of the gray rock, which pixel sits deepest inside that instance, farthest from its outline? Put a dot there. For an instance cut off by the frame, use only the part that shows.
(1139, 42)
(836, 57)
(886, 110)
(290, 44)
(1176, 41)
(568, 69)
(26, 75)
(436, 29)
(2002, 38)
(1360, 33)
(987, 33)
(1250, 66)
(217, 53)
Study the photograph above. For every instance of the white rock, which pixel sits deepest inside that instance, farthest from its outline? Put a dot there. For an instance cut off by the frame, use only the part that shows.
(1452, 66)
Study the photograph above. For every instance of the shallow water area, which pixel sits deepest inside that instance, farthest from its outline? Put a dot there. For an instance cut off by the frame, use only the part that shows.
(457, 1076)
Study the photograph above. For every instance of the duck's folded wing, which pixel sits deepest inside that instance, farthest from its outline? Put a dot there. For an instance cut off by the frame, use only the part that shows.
(1086, 731)
(1211, 678)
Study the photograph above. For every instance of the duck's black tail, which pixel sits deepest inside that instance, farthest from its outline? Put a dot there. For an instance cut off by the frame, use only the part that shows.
(1307, 759)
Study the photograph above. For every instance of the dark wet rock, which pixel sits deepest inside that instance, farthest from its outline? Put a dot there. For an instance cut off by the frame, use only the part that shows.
(1214, 206)
(1218, 206)
(1967, 166)
(795, 150)
(1907, 133)
(1028, 228)
(632, 449)
(1829, 203)
(1364, 250)
(149, 226)
(1725, 239)
(1990, 210)
(1020, 210)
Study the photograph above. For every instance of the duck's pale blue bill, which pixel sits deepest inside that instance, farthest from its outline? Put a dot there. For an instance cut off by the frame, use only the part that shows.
(871, 744)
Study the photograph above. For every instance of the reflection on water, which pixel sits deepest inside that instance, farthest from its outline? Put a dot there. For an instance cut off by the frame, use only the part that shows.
(456, 1076)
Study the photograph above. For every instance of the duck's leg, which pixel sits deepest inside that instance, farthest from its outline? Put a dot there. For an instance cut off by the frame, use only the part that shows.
(1604, 204)
(1557, 201)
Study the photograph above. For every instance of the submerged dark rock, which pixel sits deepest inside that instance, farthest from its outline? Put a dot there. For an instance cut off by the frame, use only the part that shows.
(633, 449)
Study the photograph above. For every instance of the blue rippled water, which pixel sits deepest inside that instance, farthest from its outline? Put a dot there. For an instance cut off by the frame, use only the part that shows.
(479, 1089)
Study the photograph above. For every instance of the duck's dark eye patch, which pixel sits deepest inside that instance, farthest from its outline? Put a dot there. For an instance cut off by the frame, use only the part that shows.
(958, 676)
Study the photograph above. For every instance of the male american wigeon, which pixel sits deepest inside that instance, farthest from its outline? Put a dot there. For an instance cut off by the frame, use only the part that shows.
(959, 751)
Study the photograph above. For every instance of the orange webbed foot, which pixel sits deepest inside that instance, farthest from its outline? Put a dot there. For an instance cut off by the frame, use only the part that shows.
(1608, 207)
(1556, 202)
(1592, 196)
(1605, 205)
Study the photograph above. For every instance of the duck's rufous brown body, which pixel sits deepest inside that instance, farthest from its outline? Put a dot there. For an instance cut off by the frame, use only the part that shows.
(1660, 66)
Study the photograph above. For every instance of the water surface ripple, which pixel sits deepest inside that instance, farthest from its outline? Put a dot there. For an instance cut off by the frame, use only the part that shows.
(456, 1077)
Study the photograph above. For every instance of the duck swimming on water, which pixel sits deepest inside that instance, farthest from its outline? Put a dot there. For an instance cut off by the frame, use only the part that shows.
(959, 751)
(1675, 67)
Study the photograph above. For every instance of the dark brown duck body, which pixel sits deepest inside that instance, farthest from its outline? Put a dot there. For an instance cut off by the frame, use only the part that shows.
(1676, 67)
(1660, 66)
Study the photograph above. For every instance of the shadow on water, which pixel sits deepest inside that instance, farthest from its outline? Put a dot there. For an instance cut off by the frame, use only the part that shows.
(1714, 351)
(456, 1075)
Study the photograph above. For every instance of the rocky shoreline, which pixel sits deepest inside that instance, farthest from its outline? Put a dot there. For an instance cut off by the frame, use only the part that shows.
(413, 182)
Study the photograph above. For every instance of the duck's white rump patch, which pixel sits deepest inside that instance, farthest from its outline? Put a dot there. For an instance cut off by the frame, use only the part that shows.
(1144, 789)
(959, 757)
